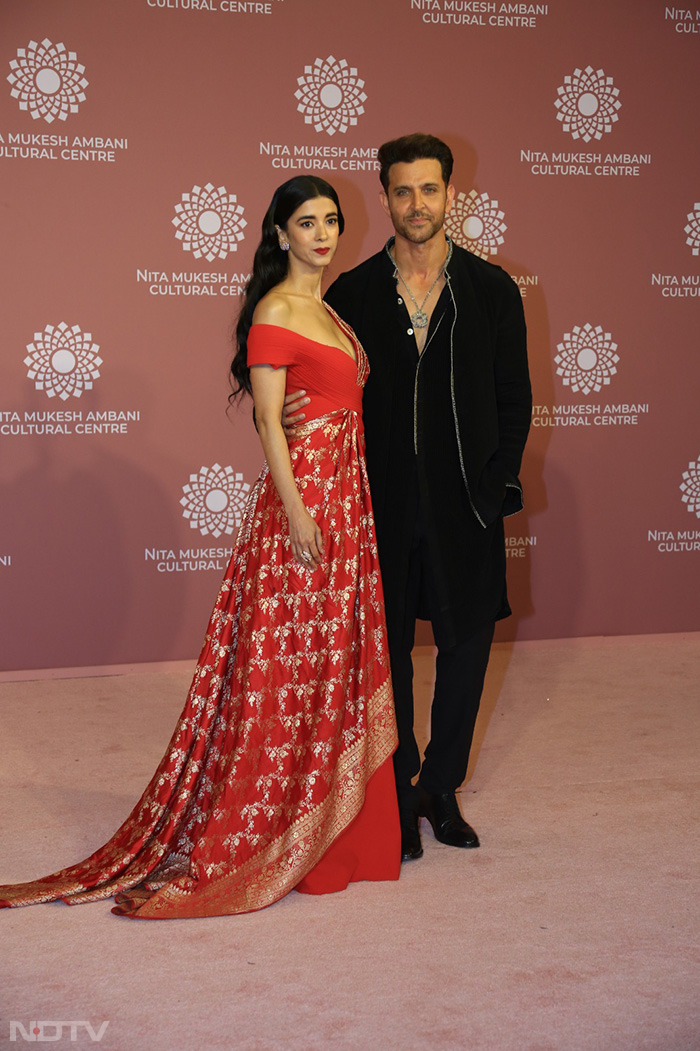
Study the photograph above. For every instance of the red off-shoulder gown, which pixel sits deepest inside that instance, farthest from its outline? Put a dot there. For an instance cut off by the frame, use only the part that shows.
(278, 775)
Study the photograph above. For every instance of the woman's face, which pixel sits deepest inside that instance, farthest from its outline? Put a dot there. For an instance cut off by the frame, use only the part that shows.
(312, 231)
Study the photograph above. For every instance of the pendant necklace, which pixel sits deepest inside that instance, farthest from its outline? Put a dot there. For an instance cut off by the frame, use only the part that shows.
(419, 318)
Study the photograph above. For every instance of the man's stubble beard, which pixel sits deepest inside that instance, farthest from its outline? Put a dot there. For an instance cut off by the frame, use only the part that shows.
(419, 236)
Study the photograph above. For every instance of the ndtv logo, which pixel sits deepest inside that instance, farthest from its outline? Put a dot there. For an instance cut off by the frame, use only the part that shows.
(51, 1031)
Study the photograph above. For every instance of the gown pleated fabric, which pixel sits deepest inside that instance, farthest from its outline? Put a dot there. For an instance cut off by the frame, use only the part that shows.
(279, 773)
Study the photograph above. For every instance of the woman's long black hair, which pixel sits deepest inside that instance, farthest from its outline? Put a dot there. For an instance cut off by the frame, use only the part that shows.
(270, 265)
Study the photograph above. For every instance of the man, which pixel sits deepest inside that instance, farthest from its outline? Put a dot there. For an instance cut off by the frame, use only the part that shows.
(447, 411)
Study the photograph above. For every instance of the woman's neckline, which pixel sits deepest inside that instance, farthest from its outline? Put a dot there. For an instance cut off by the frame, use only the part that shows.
(318, 342)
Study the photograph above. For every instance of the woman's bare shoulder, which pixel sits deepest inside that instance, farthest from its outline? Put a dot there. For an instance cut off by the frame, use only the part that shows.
(273, 309)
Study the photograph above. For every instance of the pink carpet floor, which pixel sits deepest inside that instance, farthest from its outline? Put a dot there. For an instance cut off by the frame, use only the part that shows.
(575, 926)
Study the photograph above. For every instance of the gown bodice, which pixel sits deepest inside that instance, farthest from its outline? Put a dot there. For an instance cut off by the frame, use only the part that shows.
(331, 378)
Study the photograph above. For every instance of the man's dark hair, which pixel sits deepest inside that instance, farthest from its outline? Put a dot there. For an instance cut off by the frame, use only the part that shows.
(411, 148)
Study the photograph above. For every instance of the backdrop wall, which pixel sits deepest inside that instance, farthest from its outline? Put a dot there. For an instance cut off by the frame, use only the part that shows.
(140, 143)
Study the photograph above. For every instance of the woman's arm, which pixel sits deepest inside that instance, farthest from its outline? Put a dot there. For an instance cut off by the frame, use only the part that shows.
(268, 395)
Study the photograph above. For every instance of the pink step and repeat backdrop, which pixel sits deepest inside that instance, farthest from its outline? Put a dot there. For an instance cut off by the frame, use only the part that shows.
(140, 142)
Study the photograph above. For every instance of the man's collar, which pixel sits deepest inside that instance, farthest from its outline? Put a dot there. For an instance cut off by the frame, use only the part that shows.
(388, 250)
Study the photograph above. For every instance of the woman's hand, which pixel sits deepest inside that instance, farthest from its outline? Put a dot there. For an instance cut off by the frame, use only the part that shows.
(307, 541)
(268, 394)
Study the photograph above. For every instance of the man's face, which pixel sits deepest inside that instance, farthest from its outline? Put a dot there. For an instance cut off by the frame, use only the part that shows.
(417, 199)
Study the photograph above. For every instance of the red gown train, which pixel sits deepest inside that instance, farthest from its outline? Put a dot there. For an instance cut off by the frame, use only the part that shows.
(278, 774)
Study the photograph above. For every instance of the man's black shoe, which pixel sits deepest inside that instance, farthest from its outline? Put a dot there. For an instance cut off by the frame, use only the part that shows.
(442, 811)
(410, 836)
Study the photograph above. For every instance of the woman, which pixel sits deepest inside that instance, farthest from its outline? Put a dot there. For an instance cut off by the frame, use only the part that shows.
(278, 775)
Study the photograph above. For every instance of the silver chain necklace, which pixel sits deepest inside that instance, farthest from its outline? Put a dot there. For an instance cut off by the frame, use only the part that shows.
(419, 318)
